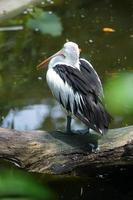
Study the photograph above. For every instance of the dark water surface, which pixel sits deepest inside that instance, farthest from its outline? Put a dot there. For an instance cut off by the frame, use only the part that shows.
(26, 102)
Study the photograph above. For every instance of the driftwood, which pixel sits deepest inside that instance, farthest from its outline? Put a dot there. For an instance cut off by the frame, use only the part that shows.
(59, 153)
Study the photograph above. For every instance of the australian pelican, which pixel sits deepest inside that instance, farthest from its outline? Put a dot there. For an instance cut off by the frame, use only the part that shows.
(77, 87)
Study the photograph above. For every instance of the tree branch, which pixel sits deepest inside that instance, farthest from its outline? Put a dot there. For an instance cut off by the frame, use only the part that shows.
(60, 153)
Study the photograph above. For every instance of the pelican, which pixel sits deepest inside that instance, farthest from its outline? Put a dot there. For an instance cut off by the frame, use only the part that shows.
(77, 87)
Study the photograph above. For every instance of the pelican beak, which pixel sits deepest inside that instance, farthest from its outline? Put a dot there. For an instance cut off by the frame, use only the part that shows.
(44, 63)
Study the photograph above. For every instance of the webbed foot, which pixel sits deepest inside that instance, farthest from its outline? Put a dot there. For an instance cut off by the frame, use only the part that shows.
(79, 132)
(94, 148)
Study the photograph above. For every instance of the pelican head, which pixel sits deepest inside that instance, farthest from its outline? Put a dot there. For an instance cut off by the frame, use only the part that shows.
(71, 51)
(68, 55)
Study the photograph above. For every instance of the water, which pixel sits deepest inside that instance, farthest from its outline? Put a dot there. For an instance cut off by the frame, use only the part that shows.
(23, 90)
(26, 102)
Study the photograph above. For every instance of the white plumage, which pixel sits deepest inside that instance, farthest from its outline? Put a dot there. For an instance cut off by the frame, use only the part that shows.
(76, 85)
(58, 87)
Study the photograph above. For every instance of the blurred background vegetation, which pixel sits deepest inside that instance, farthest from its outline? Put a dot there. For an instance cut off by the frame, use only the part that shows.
(104, 31)
(16, 184)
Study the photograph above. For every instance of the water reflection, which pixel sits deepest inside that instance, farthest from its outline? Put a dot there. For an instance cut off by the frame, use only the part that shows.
(32, 117)
(29, 118)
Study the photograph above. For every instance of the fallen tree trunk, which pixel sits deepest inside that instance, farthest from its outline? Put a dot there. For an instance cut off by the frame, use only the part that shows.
(59, 153)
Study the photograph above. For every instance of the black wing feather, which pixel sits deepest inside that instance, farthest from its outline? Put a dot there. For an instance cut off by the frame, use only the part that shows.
(86, 83)
(92, 77)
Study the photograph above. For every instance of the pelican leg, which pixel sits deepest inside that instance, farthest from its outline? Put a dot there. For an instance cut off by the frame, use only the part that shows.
(70, 131)
(68, 127)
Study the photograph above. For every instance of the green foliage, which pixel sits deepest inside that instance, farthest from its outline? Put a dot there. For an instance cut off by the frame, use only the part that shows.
(15, 184)
(119, 94)
(45, 22)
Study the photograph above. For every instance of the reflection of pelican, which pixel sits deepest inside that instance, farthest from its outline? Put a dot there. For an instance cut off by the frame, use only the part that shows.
(76, 85)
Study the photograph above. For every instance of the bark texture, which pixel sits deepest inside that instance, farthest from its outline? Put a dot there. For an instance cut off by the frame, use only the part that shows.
(59, 153)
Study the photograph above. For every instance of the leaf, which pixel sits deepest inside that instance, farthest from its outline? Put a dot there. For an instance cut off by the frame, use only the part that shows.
(109, 30)
(119, 93)
(16, 184)
(45, 22)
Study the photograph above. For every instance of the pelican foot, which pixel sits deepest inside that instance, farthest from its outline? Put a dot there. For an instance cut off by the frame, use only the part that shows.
(78, 132)
(94, 148)
(82, 131)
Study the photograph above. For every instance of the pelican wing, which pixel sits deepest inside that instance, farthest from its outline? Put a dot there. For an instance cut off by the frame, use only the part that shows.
(85, 92)
(92, 77)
